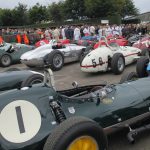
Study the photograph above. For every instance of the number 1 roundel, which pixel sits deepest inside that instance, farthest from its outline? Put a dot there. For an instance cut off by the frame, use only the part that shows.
(20, 121)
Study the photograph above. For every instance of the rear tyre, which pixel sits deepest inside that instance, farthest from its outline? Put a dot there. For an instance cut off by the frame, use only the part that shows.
(75, 133)
(6, 60)
(141, 66)
(129, 76)
(55, 59)
(31, 80)
(118, 63)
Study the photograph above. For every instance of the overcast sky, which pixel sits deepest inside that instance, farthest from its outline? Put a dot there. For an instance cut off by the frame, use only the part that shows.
(143, 5)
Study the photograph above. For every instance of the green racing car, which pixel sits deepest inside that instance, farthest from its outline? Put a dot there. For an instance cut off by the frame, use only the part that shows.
(11, 53)
(39, 117)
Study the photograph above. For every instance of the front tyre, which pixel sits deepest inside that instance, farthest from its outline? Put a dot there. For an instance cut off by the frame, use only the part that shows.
(117, 63)
(77, 133)
(6, 60)
(141, 67)
(55, 59)
(32, 79)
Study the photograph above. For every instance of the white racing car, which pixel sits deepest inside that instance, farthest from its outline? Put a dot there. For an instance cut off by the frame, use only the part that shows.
(110, 57)
(55, 55)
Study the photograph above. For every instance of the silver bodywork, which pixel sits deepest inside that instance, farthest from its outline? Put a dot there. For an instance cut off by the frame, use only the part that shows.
(71, 53)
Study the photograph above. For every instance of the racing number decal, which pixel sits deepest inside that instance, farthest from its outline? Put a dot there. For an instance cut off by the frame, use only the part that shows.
(94, 63)
(20, 121)
(100, 62)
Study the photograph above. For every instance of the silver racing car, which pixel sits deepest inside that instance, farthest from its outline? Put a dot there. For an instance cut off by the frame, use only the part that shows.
(55, 55)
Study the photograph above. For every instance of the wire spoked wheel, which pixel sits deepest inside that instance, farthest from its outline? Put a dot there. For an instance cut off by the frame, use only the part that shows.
(58, 60)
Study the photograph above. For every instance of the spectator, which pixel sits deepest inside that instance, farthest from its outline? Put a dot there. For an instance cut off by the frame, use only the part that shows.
(56, 34)
(63, 33)
(77, 34)
(81, 31)
(108, 30)
(144, 29)
(100, 32)
(71, 32)
(86, 31)
(47, 35)
(115, 30)
(67, 32)
(96, 30)
(92, 30)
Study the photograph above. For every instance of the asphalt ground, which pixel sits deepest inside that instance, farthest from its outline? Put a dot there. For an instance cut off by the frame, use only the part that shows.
(71, 72)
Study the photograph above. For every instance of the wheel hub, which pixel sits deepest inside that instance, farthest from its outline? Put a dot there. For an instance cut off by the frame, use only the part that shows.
(57, 60)
(84, 143)
(120, 64)
(5, 60)
(36, 81)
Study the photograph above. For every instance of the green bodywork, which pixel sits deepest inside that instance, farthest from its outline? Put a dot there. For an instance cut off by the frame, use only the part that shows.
(122, 102)
(16, 53)
(13, 79)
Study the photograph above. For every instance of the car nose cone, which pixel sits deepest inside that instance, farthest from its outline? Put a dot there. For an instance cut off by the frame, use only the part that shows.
(89, 64)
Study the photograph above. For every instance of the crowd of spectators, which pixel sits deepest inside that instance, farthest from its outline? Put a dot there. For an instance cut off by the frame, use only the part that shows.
(76, 32)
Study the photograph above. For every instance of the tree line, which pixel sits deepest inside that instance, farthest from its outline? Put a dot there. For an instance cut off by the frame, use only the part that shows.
(63, 10)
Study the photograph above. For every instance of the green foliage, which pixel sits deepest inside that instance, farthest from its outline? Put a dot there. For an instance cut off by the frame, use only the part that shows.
(55, 12)
(66, 9)
(103, 8)
(38, 13)
(74, 9)
(7, 17)
(20, 14)
(129, 8)
(98, 8)
(1, 12)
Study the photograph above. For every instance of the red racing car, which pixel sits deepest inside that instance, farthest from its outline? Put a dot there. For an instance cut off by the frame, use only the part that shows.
(121, 41)
(143, 43)
(45, 41)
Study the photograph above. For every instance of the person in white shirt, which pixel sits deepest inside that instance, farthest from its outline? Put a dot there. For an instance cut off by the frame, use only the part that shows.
(115, 30)
(86, 31)
(47, 34)
(108, 30)
(100, 32)
(77, 34)
(120, 30)
(63, 33)
(92, 30)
